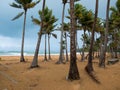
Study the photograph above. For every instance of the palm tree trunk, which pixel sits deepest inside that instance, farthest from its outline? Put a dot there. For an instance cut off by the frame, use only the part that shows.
(102, 59)
(66, 47)
(49, 57)
(61, 57)
(83, 56)
(45, 58)
(35, 59)
(23, 36)
(73, 70)
(89, 67)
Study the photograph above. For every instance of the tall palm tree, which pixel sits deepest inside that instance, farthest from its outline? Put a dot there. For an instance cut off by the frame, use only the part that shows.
(66, 29)
(35, 59)
(25, 5)
(48, 22)
(73, 70)
(89, 67)
(103, 54)
(86, 20)
(50, 33)
(61, 57)
(114, 29)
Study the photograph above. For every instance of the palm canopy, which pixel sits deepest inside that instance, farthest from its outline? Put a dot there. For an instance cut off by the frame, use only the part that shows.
(23, 4)
(48, 20)
(115, 15)
(64, 1)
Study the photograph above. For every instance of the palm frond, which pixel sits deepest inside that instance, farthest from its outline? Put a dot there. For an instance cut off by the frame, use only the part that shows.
(18, 16)
(15, 5)
(32, 4)
(54, 35)
(35, 21)
(18, 1)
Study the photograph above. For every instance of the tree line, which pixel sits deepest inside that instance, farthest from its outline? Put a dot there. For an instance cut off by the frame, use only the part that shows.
(80, 19)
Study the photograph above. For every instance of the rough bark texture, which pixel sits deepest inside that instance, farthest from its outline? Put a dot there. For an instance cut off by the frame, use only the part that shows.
(35, 59)
(73, 71)
(102, 59)
(23, 36)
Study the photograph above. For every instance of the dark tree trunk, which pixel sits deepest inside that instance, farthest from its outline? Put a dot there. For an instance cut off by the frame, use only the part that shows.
(73, 71)
(45, 57)
(23, 36)
(89, 67)
(83, 56)
(111, 50)
(102, 59)
(35, 59)
(49, 56)
(61, 57)
(66, 47)
(116, 56)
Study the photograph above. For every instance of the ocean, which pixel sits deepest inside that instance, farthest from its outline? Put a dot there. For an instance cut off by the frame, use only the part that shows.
(26, 53)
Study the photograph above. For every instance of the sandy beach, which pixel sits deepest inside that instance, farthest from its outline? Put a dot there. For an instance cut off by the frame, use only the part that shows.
(50, 76)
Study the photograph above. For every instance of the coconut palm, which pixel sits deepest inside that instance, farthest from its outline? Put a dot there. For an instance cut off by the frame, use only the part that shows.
(103, 54)
(73, 70)
(35, 59)
(48, 22)
(66, 30)
(50, 33)
(25, 5)
(61, 57)
(89, 67)
(86, 20)
(114, 32)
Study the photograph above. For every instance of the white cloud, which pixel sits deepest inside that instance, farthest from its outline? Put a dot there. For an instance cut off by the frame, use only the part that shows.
(8, 43)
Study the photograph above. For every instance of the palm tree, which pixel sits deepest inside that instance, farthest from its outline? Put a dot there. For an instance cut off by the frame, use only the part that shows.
(89, 67)
(48, 22)
(25, 5)
(86, 20)
(66, 29)
(114, 32)
(73, 70)
(35, 59)
(102, 59)
(50, 33)
(61, 57)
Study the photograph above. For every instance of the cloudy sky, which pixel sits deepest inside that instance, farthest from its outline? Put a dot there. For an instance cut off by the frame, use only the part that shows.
(11, 31)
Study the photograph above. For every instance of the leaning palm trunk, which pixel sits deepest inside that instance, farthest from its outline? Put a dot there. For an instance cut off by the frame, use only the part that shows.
(23, 36)
(73, 71)
(61, 57)
(89, 67)
(35, 59)
(103, 54)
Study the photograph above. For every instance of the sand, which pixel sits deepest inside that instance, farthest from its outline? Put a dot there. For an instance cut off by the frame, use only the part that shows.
(49, 76)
